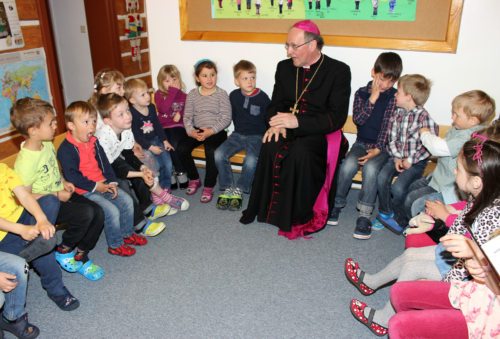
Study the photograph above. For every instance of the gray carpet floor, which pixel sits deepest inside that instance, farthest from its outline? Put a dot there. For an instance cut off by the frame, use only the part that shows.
(208, 276)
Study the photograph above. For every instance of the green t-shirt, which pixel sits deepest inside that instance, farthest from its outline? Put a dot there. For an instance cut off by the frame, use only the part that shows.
(39, 169)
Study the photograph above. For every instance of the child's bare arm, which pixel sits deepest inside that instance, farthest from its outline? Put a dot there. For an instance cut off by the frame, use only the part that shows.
(26, 232)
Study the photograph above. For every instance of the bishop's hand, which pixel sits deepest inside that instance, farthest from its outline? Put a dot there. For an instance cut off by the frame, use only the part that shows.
(284, 120)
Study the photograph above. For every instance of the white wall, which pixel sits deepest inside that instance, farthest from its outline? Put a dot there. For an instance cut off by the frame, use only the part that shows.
(474, 66)
(73, 49)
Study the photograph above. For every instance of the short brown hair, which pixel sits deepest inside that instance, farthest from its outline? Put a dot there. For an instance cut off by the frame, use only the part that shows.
(200, 65)
(244, 66)
(389, 64)
(78, 108)
(416, 85)
(475, 103)
(108, 102)
(29, 112)
(133, 85)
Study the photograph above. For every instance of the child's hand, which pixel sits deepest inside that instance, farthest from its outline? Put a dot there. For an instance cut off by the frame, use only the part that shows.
(168, 146)
(177, 117)
(205, 133)
(371, 153)
(424, 130)
(406, 164)
(420, 223)
(155, 149)
(28, 232)
(103, 188)
(47, 230)
(398, 164)
(113, 189)
(476, 270)
(375, 89)
(138, 151)
(457, 245)
(68, 186)
(7, 282)
(436, 209)
(64, 195)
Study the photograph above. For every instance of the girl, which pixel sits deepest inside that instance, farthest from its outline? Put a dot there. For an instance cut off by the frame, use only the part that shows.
(207, 114)
(478, 167)
(170, 100)
(106, 81)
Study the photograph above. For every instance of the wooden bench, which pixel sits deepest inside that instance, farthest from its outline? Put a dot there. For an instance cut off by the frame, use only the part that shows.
(349, 128)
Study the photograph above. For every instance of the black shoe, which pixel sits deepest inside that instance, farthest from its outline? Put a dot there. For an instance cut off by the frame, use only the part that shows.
(333, 219)
(21, 328)
(65, 302)
(363, 229)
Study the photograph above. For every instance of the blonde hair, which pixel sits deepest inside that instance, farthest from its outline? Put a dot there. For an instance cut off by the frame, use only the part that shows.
(103, 79)
(475, 103)
(133, 85)
(28, 112)
(78, 108)
(108, 102)
(244, 66)
(171, 71)
(416, 85)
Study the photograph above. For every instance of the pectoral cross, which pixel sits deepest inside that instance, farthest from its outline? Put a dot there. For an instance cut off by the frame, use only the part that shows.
(294, 110)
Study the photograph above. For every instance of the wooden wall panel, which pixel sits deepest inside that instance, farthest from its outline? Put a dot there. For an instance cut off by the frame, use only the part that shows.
(26, 10)
(132, 68)
(125, 45)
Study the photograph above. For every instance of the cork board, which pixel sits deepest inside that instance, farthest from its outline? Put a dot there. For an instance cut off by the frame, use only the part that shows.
(435, 29)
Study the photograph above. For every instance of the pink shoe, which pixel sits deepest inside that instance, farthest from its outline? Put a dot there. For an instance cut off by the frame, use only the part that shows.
(207, 194)
(193, 186)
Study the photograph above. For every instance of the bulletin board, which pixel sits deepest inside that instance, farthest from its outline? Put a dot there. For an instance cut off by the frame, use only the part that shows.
(435, 29)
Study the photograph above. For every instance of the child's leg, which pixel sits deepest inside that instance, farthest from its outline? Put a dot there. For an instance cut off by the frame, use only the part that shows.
(186, 146)
(211, 145)
(368, 193)
(384, 182)
(418, 205)
(417, 189)
(16, 298)
(252, 144)
(174, 136)
(124, 203)
(165, 168)
(221, 157)
(347, 170)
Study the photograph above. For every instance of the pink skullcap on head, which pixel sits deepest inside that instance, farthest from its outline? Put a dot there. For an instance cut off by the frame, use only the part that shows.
(307, 26)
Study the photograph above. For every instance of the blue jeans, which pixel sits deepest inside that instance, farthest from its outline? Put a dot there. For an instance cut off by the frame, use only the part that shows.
(164, 162)
(118, 215)
(418, 193)
(392, 195)
(235, 143)
(46, 265)
(370, 170)
(15, 299)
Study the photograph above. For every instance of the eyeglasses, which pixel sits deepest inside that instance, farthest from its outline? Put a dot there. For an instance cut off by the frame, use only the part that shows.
(296, 47)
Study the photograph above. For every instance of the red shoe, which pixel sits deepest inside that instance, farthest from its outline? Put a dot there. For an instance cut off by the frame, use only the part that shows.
(351, 272)
(136, 239)
(358, 311)
(122, 251)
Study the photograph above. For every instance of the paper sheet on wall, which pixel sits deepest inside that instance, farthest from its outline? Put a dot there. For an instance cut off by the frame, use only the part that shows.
(11, 35)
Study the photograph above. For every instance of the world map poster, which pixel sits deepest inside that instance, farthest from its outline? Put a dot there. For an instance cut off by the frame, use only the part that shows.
(22, 74)
(373, 10)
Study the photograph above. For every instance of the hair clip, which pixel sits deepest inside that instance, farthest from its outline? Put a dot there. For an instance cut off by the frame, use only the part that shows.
(199, 62)
(102, 75)
(478, 155)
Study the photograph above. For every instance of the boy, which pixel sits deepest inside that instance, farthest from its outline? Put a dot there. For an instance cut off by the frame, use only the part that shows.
(149, 133)
(84, 163)
(249, 105)
(471, 111)
(373, 107)
(407, 156)
(19, 225)
(117, 140)
(37, 166)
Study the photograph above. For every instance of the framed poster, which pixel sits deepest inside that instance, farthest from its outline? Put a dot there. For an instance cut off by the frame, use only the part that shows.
(435, 26)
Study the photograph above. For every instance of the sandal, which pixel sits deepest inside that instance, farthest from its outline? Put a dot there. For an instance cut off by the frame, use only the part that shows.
(193, 186)
(91, 271)
(207, 194)
(351, 272)
(21, 327)
(68, 262)
(358, 311)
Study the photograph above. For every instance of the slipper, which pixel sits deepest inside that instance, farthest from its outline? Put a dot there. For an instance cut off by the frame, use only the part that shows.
(68, 262)
(193, 186)
(350, 269)
(91, 271)
(358, 311)
(207, 195)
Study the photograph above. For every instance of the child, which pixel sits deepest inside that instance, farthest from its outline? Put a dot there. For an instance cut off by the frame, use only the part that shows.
(84, 163)
(249, 107)
(117, 140)
(37, 166)
(150, 135)
(106, 81)
(16, 231)
(207, 114)
(13, 284)
(471, 111)
(478, 169)
(373, 107)
(407, 156)
(170, 100)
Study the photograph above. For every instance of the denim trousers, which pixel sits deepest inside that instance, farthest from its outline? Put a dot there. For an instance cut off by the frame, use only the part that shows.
(392, 195)
(164, 162)
(45, 265)
(14, 300)
(118, 215)
(418, 193)
(370, 170)
(235, 143)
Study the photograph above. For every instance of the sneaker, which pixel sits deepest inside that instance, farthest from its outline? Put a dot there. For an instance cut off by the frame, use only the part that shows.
(21, 328)
(236, 200)
(363, 228)
(224, 199)
(376, 225)
(333, 219)
(390, 223)
(152, 229)
(122, 251)
(177, 202)
(136, 240)
(65, 302)
(159, 211)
